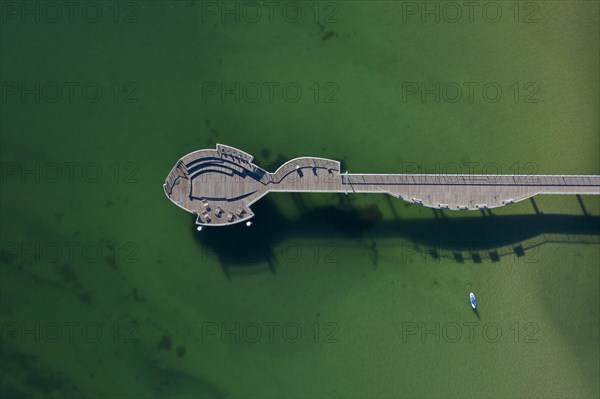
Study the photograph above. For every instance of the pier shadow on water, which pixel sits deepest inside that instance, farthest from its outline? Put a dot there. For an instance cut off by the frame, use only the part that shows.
(242, 250)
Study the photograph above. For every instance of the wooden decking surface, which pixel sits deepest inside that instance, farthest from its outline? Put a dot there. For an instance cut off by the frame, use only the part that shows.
(220, 185)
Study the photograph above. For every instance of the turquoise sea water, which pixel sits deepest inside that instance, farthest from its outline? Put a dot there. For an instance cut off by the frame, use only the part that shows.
(107, 290)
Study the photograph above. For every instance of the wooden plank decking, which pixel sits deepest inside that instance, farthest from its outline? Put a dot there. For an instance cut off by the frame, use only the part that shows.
(220, 185)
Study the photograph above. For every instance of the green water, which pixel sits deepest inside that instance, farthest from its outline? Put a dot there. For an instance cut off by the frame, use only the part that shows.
(108, 291)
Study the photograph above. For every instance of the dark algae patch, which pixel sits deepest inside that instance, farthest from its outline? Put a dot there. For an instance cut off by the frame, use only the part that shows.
(165, 343)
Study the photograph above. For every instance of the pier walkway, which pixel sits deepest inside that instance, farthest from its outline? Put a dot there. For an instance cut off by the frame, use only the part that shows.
(220, 185)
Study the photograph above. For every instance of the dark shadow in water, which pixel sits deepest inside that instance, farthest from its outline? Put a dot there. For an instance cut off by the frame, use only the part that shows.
(494, 256)
(458, 257)
(583, 208)
(462, 238)
(392, 207)
(535, 207)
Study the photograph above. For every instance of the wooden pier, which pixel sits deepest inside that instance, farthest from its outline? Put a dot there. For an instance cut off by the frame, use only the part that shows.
(220, 185)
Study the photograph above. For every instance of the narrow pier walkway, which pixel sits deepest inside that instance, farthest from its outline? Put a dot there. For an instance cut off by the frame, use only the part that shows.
(220, 185)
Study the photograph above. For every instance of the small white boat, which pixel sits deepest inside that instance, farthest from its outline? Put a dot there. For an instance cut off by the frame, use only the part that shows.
(473, 301)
